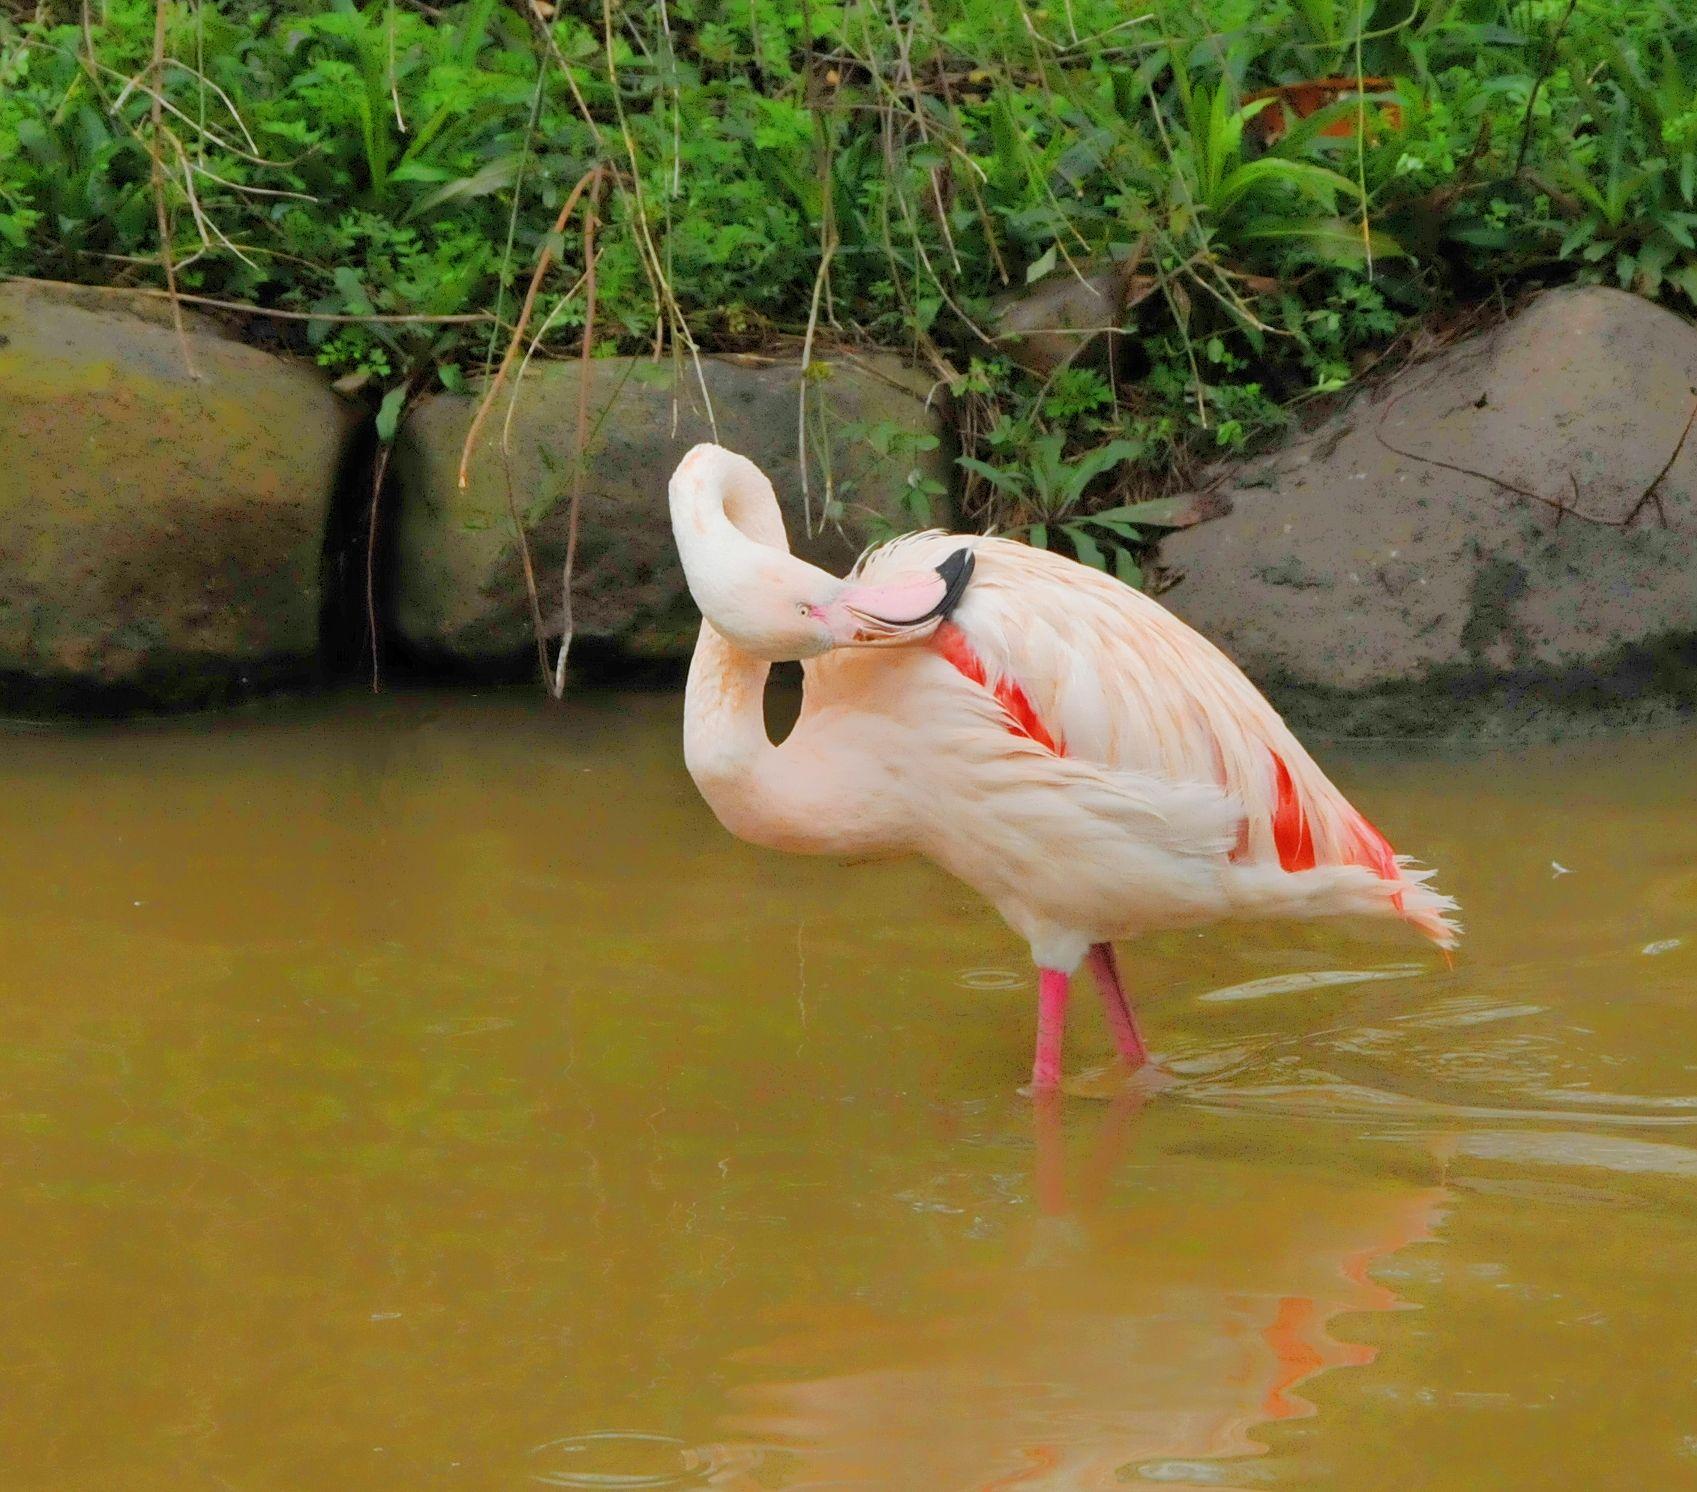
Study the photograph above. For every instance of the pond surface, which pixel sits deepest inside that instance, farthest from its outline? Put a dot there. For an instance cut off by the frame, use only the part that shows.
(426, 1093)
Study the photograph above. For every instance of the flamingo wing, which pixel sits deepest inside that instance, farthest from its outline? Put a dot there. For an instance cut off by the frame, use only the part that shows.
(1070, 851)
(1091, 669)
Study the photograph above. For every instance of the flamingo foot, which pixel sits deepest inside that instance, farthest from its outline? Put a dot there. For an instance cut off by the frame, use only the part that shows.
(1105, 966)
(1052, 989)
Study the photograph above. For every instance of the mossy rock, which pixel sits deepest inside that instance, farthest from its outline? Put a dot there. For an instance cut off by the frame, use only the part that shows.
(162, 532)
(458, 589)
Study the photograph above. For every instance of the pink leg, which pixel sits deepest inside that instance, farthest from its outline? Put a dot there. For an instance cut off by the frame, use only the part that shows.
(1127, 1037)
(1052, 988)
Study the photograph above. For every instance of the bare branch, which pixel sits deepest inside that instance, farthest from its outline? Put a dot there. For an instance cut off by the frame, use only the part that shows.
(1650, 493)
(158, 179)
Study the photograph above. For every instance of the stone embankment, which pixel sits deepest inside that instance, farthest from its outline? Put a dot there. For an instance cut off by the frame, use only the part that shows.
(181, 531)
(1499, 542)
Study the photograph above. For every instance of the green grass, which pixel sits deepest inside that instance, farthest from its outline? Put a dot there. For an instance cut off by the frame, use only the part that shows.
(881, 171)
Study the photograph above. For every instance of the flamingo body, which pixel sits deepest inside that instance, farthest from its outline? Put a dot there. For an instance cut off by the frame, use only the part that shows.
(1086, 762)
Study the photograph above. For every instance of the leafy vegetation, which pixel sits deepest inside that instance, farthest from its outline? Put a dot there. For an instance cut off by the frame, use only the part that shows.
(1270, 192)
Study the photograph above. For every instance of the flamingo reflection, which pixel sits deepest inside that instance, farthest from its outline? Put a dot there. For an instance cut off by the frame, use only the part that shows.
(1128, 1330)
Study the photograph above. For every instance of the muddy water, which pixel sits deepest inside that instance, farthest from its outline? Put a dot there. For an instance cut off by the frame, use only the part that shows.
(427, 1094)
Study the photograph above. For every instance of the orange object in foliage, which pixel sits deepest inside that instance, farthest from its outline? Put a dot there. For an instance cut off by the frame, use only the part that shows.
(1303, 99)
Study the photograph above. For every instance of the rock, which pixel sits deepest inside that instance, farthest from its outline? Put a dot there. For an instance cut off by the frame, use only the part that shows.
(458, 587)
(1071, 317)
(161, 537)
(1372, 592)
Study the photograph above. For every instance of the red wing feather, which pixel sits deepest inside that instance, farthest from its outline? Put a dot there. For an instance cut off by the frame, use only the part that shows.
(951, 642)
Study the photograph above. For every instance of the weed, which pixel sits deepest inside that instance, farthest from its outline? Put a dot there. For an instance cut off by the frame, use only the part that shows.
(1260, 194)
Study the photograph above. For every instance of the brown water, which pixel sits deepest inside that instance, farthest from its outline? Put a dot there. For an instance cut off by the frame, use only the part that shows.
(427, 1094)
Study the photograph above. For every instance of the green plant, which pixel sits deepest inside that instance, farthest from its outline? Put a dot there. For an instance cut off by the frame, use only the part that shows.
(815, 173)
(1631, 187)
(900, 448)
(1047, 492)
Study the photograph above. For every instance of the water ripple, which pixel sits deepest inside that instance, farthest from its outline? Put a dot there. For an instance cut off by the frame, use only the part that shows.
(1285, 984)
(632, 1459)
(1334, 1099)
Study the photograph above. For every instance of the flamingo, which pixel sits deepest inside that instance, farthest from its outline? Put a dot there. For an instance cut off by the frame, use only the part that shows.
(1064, 745)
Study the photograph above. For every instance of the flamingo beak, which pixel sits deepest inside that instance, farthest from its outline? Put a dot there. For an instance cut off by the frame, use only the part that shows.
(906, 611)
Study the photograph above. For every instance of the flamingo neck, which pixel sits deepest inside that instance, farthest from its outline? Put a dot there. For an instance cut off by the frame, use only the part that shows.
(721, 506)
(730, 533)
(726, 746)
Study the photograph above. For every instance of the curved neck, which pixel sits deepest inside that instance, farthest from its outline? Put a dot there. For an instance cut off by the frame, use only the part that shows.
(730, 536)
(725, 736)
(754, 788)
(721, 504)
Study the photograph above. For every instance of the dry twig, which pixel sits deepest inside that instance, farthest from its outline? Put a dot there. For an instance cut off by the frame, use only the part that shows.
(590, 179)
(379, 470)
(543, 262)
(585, 363)
(157, 171)
(1562, 508)
(1650, 494)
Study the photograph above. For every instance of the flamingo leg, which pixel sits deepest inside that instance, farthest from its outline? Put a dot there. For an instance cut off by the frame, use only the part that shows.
(1105, 966)
(1052, 989)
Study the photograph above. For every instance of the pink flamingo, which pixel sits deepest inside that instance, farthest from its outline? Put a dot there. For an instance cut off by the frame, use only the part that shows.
(1064, 745)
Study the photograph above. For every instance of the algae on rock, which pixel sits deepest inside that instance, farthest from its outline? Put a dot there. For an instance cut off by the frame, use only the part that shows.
(162, 535)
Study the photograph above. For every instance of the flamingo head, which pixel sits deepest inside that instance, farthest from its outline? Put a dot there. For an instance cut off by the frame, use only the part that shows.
(780, 608)
(772, 605)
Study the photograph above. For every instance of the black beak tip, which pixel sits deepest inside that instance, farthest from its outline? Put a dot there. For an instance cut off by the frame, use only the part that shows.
(955, 571)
